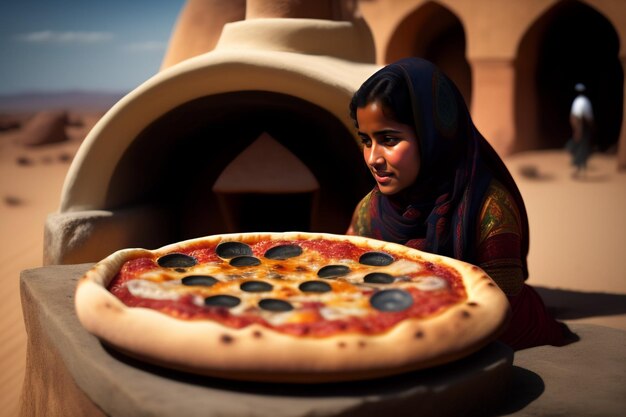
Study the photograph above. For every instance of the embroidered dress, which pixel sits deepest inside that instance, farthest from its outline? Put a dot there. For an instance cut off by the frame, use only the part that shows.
(463, 204)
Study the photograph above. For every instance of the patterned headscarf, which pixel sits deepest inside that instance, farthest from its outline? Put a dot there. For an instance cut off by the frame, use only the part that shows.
(439, 212)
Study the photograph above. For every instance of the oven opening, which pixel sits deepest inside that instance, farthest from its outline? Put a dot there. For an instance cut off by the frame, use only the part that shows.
(256, 212)
(244, 161)
(266, 188)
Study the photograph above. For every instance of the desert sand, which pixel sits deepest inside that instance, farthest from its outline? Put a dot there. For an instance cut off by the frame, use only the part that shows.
(578, 235)
(31, 179)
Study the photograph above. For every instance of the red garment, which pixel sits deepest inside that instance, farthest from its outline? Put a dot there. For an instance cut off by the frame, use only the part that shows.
(531, 324)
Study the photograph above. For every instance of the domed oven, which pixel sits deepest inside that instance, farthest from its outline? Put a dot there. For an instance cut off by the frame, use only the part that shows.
(252, 136)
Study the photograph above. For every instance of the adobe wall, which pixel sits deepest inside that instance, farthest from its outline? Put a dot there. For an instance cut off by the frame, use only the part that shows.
(493, 32)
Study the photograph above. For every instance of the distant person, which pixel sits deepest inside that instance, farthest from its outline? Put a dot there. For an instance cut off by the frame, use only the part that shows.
(581, 120)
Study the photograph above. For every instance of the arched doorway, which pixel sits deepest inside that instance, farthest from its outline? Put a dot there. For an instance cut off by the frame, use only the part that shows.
(266, 187)
(433, 32)
(176, 162)
(570, 43)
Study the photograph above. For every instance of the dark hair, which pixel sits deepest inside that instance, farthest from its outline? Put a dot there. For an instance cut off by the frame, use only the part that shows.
(393, 93)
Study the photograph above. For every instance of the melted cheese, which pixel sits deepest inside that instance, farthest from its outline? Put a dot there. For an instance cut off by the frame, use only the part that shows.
(147, 289)
(349, 296)
(430, 283)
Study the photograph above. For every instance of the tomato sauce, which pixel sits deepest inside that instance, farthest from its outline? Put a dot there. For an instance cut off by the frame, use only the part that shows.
(424, 303)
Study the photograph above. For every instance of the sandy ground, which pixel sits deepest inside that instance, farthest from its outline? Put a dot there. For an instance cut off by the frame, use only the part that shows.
(30, 186)
(577, 253)
(578, 236)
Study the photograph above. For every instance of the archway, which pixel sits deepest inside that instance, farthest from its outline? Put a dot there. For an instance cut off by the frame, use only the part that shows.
(570, 43)
(266, 187)
(435, 33)
(176, 161)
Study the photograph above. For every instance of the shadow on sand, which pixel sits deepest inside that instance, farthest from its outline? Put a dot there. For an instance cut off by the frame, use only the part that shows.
(567, 304)
(591, 177)
(524, 387)
(533, 173)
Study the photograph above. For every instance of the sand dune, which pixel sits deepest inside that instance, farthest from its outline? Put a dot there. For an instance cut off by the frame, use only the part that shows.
(577, 254)
(30, 186)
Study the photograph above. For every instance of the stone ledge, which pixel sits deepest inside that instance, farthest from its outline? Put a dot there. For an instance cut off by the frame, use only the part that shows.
(544, 381)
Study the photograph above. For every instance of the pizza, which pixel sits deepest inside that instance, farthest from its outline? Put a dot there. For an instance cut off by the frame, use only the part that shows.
(290, 307)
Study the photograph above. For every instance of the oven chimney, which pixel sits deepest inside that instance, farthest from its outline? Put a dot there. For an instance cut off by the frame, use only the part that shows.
(301, 9)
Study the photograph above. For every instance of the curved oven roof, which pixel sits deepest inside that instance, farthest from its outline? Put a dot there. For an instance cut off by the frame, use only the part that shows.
(322, 62)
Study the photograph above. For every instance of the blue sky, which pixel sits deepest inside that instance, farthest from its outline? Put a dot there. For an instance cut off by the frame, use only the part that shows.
(60, 45)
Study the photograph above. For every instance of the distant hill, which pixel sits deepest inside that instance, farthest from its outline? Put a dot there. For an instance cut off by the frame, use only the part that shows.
(68, 100)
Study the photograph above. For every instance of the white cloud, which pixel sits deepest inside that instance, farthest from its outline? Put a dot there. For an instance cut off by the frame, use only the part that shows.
(146, 46)
(50, 36)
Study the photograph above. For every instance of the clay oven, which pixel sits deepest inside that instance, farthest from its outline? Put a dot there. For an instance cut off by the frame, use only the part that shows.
(252, 136)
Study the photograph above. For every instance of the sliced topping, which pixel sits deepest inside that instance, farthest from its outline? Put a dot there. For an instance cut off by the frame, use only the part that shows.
(400, 270)
(176, 260)
(245, 261)
(228, 250)
(378, 278)
(283, 252)
(376, 259)
(285, 284)
(274, 304)
(431, 283)
(201, 280)
(341, 312)
(279, 318)
(148, 289)
(391, 300)
(222, 301)
(256, 286)
(315, 286)
(333, 271)
(402, 267)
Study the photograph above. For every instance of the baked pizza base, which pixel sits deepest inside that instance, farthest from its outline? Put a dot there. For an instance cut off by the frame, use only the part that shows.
(258, 353)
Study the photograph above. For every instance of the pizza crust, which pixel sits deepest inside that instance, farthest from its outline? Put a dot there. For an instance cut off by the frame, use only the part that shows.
(258, 353)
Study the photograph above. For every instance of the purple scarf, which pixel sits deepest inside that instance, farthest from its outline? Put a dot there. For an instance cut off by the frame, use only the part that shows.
(439, 212)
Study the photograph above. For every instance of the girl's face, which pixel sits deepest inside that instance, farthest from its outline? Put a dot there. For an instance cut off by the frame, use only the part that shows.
(390, 148)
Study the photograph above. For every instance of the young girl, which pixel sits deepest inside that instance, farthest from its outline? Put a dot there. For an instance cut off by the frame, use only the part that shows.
(441, 188)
